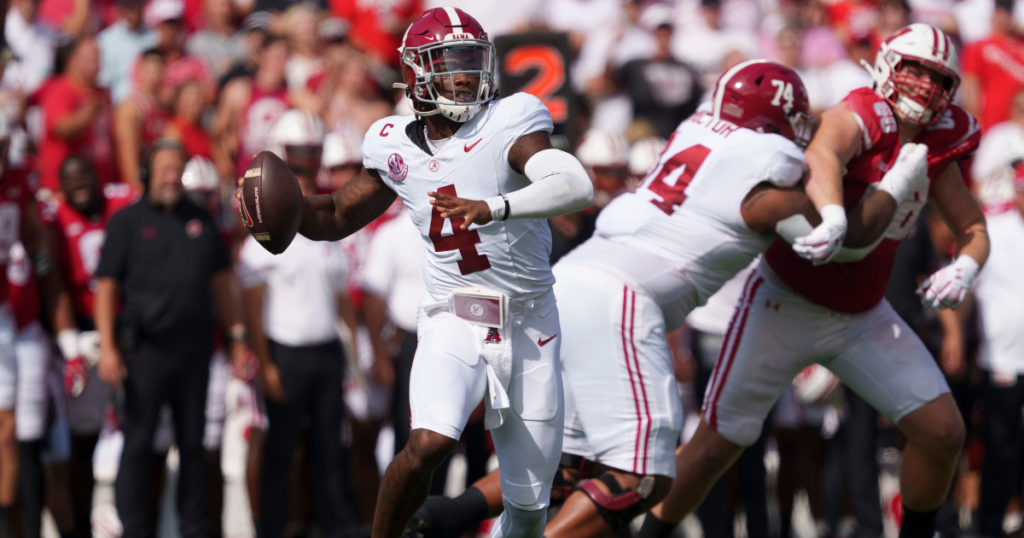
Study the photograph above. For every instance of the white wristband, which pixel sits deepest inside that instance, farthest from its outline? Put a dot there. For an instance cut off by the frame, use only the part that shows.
(67, 341)
(497, 205)
(833, 213)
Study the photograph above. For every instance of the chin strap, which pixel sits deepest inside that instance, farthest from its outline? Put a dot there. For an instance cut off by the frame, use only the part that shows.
(403, 86)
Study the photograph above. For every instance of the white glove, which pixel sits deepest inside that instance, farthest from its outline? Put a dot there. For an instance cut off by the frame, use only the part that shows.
(948, 287)
(908, 172)
(824, 242)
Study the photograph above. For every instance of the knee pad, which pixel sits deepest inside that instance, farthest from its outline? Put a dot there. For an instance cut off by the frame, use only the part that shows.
(516, 522)
(561, 487)
(619, 508)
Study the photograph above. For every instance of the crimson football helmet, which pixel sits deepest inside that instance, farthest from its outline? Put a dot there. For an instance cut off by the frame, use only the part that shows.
(916, 99)
(766, 97)
(443, 47)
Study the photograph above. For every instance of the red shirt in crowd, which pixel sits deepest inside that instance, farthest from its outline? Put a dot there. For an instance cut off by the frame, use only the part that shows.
(79, 240)
(15, 197)
(63, 97)
(998, 62)
(371, 22)
(193, 137)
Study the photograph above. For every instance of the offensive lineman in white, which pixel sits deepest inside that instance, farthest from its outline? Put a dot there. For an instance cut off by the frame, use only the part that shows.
(479, 178)
(731, 172)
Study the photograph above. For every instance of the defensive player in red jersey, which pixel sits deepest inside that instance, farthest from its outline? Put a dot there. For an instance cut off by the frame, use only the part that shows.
(77, 225)
(793, 313)
(18, 220)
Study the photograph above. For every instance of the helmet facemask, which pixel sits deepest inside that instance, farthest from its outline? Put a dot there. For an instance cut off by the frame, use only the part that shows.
(456, 76)
(914, 98)
(803, 127)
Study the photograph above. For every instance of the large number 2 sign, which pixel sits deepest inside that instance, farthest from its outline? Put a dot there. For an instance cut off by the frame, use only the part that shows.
(464, 241)
(674, 176)
(550, 77)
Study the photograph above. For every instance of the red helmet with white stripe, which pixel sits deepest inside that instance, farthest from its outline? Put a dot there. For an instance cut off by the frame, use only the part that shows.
(766, 97)
(914, 98)
(447, 61)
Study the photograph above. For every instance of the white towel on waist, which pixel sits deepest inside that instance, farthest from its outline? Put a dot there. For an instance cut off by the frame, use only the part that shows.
(497, 355)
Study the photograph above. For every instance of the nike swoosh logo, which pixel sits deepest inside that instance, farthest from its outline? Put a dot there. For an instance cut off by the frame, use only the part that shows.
(469, 147)
(542, 342)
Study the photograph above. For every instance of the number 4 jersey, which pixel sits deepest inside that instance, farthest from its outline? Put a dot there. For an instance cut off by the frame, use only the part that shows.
(681, 236)
(511, 256)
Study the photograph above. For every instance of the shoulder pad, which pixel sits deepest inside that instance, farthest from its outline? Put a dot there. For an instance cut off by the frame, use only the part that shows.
(954, 137)
(874, 116)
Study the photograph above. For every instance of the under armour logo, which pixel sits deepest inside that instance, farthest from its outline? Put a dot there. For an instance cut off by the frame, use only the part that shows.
(769, 305)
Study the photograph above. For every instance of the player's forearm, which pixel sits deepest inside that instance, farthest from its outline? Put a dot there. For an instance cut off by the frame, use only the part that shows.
(973, 241)
(869, 219)
(375, 316)
(252, 301)
(559, 186)
(348, 209)
(824, 185)
(104, 310)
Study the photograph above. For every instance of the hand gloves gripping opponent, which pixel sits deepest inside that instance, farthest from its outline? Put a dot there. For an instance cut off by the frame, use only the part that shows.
(948, 287)
(905, 177)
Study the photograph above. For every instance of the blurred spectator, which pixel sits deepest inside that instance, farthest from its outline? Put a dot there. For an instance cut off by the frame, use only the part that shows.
(248, 107)
(33, 44)
(853, 20)
(1001, 300)
(255, 30)
(992, 168)
(377, 27)
(120, 45)
(580, 18)
(892, 15)
(185, 125)
(797, 428)
(139, 120)
(392, 282)
(354, 104)
(664, 91)
(299, 24)
(165, 17)
(993, 69)
(294, 301)
(77, 117)
(830, 77)
(974, 20)
(217, 42)
(165, 258)
(708, 49)
(629, 39)
(499, 18)
(76, 18)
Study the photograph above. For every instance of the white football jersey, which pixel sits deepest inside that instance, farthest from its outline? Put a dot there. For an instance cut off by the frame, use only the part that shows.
(512, 256)
(681, 236)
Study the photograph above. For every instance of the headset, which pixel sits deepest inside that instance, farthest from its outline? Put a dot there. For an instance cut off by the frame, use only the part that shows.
(160, 145)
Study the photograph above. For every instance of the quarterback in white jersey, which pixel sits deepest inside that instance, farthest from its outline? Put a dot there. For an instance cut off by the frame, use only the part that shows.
(479, 177)
(730, 173)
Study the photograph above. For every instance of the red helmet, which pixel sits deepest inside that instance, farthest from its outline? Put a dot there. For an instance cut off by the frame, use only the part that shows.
(766, 97)
(442, 47)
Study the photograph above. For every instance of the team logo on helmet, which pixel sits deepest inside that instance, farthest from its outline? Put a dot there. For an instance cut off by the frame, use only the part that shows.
(397, 168)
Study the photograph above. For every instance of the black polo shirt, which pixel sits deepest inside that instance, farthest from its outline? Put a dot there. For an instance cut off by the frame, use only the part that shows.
(164, 263)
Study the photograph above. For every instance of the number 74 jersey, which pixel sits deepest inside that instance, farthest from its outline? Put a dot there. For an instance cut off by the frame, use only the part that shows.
(681, 236)
(511, 256)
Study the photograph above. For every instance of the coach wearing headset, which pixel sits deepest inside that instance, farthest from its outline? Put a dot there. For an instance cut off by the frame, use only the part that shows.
(163, 256)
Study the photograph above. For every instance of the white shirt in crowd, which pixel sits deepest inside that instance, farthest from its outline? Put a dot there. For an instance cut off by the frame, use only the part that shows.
(830, 84)
(300, 306)
(34, 46)
(393, 270)
(991, 168)
(1001, 296)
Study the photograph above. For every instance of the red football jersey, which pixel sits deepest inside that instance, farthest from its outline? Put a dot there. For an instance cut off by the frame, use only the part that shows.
(15, 193)
(24, 294)
(858, 286)
(79, 240)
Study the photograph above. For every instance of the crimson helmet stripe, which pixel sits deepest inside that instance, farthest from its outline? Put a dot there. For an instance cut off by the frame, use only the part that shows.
(453, 16)
(935, 39)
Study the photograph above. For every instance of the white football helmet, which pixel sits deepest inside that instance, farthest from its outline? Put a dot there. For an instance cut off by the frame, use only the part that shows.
(297, 137)
(340, 150)
(644, 155)
(200, 175)
(916, 100)
(601, 148)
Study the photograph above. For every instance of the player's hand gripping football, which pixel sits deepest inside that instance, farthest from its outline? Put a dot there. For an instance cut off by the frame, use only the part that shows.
(474, 211)
(824, 242)
(948, 287)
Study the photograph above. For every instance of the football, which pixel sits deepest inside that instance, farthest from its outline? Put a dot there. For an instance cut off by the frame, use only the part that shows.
(271, 202)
